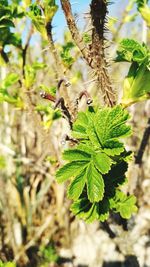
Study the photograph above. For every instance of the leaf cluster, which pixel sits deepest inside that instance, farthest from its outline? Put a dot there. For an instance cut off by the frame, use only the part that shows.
(7, 15)
(41, 14)
(144, 9)
(137, 82)
(97, 164)
(12, 97)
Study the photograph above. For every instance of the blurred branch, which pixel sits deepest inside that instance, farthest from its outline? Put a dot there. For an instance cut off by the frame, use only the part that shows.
(123, 20)
(59, 70)
(24, 51)
(144, 142)
(74, 30)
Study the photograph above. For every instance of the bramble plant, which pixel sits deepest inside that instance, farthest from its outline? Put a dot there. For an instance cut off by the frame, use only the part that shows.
(66, 118)
(98, 162)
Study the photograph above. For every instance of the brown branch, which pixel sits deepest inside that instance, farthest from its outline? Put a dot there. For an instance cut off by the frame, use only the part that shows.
(74, 30)
(99, 63)
(144, 142)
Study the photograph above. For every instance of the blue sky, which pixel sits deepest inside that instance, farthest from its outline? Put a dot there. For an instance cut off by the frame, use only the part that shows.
(80, 6)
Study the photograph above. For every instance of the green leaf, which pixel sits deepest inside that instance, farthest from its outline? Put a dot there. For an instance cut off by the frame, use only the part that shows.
(69, 170)
(103, 210)
(11, 79)
(50, 9)
(114, 151)
(144, 9)
(102, 162)
(66, 54)
(136, 84)
(95, 184)
(76, 155)
(81, 207)
(76, 187)
(93, 135)
(35, 14)
(115, 178)
(130, 50)
(110, 124)
(123, 204)
(79, 127)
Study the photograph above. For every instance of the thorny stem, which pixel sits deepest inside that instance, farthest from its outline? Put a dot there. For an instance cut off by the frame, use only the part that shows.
(94, 55)
(99, 63)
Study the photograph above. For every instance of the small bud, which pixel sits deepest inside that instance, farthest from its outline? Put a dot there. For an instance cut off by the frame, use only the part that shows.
(42, 94)
(89, 101)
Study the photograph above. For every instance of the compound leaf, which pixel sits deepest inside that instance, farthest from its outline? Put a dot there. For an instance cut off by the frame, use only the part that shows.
(95, 184)
(69, 170)
(123, 204)
(76, 155)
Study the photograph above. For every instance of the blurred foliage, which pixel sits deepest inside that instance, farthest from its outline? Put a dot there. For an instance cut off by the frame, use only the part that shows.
(144, 10)
(7, 264)
(48, 255)
(137, 83)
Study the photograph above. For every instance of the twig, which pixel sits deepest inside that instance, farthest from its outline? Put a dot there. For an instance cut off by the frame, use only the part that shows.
(42, 228)
(59, 67)
(144, 142)
(64, 109)
(60, 101)
(86, 94)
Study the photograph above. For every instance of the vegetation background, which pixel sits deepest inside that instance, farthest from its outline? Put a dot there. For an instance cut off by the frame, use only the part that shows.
(36, 225)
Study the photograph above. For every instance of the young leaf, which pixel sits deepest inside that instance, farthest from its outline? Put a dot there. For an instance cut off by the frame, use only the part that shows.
(102, 162)
(69, 170)
(76, 155)
(130, 50)
(95, 184)
(123, 204)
